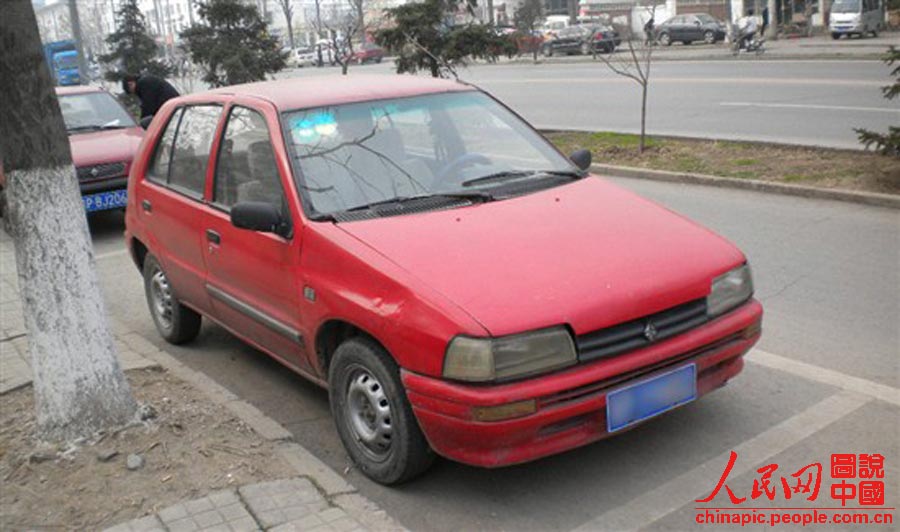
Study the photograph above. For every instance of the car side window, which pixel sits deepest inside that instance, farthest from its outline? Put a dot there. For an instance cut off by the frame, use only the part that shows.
(159, 168)
(246, 169)
(190, 153)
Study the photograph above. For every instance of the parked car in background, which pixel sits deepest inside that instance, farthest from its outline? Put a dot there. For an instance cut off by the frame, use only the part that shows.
(691, 28)
(582, 39)
(103, 138)
(368, 53)
(303, 57)
(856, 17)
(377, 234)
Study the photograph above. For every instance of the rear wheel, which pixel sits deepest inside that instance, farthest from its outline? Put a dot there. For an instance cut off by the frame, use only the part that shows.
(176, 323)
(372, 414)
(835, 36)
(585, 48)
(665, 39)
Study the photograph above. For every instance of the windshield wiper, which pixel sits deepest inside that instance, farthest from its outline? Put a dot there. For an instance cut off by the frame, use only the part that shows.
(515, 174)
(400, 200)
(95, 127)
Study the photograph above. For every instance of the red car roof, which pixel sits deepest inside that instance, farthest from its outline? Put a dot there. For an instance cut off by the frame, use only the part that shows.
(77, 89)
(300, 93)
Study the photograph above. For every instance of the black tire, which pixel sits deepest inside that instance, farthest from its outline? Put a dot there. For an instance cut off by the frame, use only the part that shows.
(585, 48)
(362, 374)
(835, 36)
(709, 37)
(176, 323)
(665, 39)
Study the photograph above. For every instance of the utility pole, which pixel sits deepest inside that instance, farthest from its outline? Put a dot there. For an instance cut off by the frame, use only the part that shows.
(79, 46)
(772, 30)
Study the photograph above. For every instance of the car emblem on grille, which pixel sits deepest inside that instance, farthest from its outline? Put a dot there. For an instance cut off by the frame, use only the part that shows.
(95, 172)
(650, 331)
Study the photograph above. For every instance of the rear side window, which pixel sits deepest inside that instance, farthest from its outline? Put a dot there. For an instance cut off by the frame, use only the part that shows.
(159, 168)
(182, 155)
(190, 154)
(246, 169)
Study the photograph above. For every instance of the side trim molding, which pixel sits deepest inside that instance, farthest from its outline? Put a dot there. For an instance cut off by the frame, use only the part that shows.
(255, 314)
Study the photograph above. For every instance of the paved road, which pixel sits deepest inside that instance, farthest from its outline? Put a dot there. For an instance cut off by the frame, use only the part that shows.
(792, 101)
(828, 277)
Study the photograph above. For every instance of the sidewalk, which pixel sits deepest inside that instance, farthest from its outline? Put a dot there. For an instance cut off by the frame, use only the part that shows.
(315, 499)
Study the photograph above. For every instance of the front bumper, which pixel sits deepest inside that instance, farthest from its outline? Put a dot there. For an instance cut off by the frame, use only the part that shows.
(571, 404)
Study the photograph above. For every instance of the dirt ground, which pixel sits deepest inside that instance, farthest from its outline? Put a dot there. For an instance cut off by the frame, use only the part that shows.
(819, 167)
(191, 447)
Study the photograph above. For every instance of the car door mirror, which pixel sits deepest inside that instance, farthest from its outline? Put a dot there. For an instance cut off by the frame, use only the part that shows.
(259, 216)
(581, 158)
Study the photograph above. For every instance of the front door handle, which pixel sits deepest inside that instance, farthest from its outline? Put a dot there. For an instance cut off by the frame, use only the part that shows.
(213, 236)
(147, 206)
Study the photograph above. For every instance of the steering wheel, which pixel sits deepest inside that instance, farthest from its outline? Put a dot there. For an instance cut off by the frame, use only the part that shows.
(457, 164)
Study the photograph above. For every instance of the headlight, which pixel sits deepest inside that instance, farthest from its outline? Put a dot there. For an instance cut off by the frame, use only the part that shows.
(729, 290)
(519, 355)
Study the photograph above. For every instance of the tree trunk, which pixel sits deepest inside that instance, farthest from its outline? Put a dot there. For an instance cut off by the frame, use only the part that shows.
(290, 28)
(79, 387)
(642, 144)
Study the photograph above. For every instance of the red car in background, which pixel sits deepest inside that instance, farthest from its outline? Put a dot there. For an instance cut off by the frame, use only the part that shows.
(103, 137)
(457, 284)
(368, 53)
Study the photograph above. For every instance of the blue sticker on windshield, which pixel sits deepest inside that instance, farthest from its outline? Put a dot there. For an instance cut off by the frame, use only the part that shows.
(311, 128)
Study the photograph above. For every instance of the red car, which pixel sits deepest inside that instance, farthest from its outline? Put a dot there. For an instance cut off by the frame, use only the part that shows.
(458, 285)
(368, 53)
(103, 138)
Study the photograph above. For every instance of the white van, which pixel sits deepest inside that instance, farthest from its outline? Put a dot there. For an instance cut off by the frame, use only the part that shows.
(856, 16)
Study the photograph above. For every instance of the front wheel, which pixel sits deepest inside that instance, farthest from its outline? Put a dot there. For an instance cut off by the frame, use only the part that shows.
(585, 48)
(709, 37)
(835, 36)
(176, 323)
(372, 414)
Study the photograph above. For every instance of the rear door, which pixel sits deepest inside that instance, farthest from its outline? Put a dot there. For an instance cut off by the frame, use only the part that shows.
(171, 199)
(253, 277)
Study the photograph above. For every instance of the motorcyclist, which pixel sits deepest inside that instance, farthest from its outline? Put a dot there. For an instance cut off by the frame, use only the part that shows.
(747, 27)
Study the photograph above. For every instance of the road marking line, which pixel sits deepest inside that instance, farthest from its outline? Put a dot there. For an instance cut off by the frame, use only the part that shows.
(882, 392)
(110, 254)
(648, 508)
(810, 106)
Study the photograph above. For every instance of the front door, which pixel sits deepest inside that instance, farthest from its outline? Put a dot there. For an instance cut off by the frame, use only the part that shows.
(253, 278)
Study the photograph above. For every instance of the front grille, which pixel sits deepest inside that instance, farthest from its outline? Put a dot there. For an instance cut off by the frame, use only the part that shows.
(100, 171)
(641, 332)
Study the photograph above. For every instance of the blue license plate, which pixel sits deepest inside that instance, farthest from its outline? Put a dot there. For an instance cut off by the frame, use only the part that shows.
(650, 397)
(114, 199)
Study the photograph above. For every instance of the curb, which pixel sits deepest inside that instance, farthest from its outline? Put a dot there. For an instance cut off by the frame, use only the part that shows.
(333, 486)
(865, 198)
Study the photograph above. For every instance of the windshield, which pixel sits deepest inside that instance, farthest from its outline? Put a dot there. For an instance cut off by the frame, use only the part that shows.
(66, 61)
(707, 19)
(845, 6)
(352, 155)
(93, 110)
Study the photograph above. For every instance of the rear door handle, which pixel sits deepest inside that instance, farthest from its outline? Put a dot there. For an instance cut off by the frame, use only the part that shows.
(213, 236)
(148, 207)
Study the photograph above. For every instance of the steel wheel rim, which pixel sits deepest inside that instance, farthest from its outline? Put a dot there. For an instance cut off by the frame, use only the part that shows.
(709, 37)
(369, 415)
(161, 299)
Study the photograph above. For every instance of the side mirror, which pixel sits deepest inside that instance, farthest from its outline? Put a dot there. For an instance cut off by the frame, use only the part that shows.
(581, 158)
(259, 216)
(145, 122)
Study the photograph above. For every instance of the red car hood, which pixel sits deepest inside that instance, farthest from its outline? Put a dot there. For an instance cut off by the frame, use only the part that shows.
(588, 254)
(105, 146)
